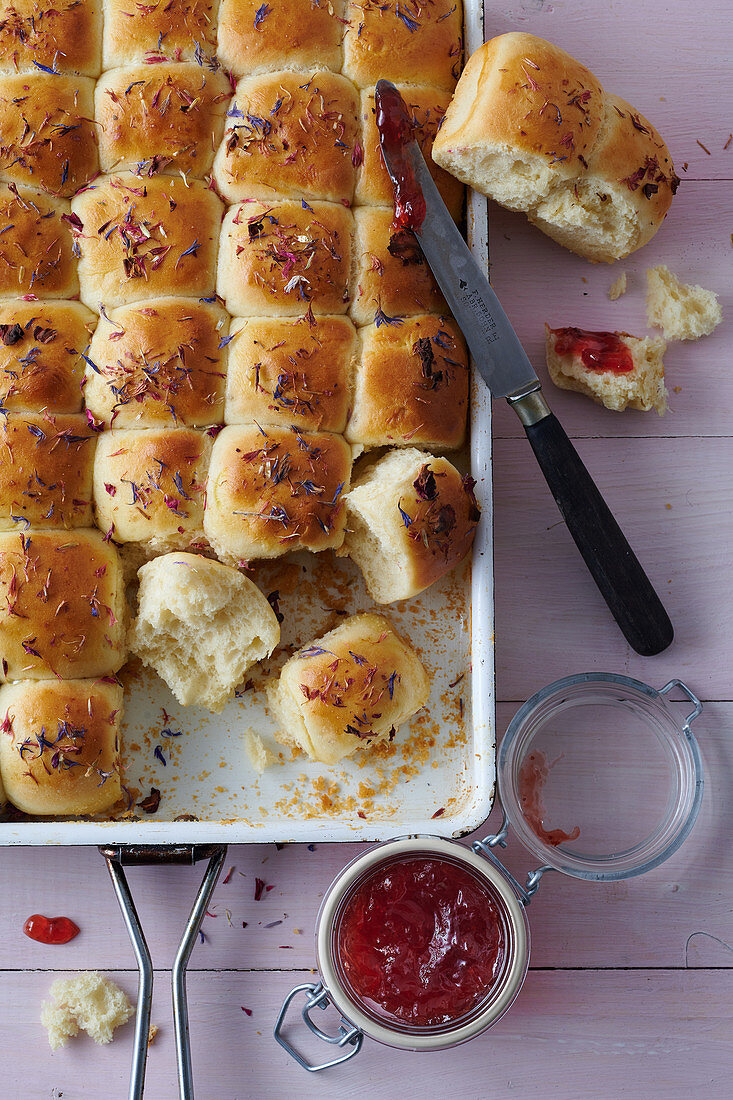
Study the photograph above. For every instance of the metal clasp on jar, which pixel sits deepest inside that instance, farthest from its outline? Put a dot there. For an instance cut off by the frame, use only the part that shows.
(347, 1035)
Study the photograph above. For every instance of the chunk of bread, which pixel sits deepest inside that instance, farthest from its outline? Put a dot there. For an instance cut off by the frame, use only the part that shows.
(87, 1002)
(642, 387)
(260, 757)
(683, 311)
(352, 688)
(201, 625)
(409, 520)
(533, 129)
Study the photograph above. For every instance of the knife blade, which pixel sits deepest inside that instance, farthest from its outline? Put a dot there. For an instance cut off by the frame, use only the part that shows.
(503, 364)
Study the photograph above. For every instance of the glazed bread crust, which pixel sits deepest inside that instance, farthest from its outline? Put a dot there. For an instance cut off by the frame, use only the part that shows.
(403, 41)
(61, 35)
(533, 128)
(36, 249)
(298, 34)
(40, 362)
(159, 30)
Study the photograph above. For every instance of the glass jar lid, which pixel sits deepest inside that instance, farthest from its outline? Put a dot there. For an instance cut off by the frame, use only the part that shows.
(600, 777)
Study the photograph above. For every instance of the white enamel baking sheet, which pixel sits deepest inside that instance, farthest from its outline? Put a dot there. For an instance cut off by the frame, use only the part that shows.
(437, 776)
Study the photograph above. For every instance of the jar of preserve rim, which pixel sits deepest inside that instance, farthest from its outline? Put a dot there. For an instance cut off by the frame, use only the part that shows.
(591, 706)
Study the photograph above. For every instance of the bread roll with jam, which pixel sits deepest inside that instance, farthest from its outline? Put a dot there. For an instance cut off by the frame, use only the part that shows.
(47, 128)
(405, 41)
(291, 372)
(62, 605)
(40, 354)
(410, 519)
(533, 128)
(300, 34)
(392, 275)
(46, 473)
(165, 118)
(286, 259)
(426, 107)
(350, 689)
(160, 363)
(145, 238)
(158, 31)
(59, 746)
(36, 248)
(274, 490)
(290, 135)
(63, 36)
(201, 625)
(411, 384)
(149, 486)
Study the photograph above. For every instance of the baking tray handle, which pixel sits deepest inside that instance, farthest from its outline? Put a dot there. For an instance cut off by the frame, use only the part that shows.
(117, 857)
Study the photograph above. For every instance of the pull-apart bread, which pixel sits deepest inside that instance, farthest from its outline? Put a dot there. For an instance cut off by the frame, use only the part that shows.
(159, 31)
(41, 346)
(59, 748)
(62, 605)
(291, 372)
(36, 246)
(274, 490)
(349, 689)
(59, 36)
(302, 34)
(410, 518)
(158, 363)
(407, 42)
(46, 478)
(533, 128)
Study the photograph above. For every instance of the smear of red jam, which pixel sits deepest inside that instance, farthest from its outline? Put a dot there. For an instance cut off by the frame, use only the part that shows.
(51, 930)
(597, 350)
(396, 131)
(533, 775)
(420, 941)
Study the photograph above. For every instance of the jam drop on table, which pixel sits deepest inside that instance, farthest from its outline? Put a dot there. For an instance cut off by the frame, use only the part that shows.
(532, 776)
(50, 929)
(598, 351)
(420, 940)
(396, 131)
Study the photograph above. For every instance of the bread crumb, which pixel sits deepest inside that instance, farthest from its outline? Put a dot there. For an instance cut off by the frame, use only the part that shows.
(682, 311)
(152, 1034)
(89, 1002)
(618, 287)
(259, 755)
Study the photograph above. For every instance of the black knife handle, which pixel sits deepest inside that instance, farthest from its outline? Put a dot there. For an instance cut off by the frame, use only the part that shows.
(624, 585)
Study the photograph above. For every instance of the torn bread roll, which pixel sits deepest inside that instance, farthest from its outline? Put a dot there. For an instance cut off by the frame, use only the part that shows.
(683, 311)
(615, 369)
(532, 128)
(410, 518)
(201, 625)
(352, 688)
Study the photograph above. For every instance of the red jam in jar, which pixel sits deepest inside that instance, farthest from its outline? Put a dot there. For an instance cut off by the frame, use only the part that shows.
(420, 940)
(597, 351)
(52, 930)
(533, 775)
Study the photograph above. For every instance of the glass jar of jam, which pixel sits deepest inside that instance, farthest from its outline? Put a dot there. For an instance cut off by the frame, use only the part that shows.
(423, 943)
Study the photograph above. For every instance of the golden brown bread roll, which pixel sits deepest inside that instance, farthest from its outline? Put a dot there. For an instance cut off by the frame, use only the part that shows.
(411, 384)
(407, 42)
(410, 518)
(159, 30)
(391, 272)
(286, 259)
(427, 107)
(274, 490)
(165, 118)
(40, 360)
(299, 34)
(62, 605)
(46, 472)
(59, 745)
(347, 690)
(290, 372)
(149, 486)
(144, 238)
(533, 128)
(47, 127)
(61, 35)
(36, 249)
(290, 135)
(158, 363)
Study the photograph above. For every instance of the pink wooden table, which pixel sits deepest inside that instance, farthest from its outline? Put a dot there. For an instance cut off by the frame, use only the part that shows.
(631, 986)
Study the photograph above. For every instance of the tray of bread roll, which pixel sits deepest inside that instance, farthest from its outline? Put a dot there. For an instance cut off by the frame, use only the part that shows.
(245, 499)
